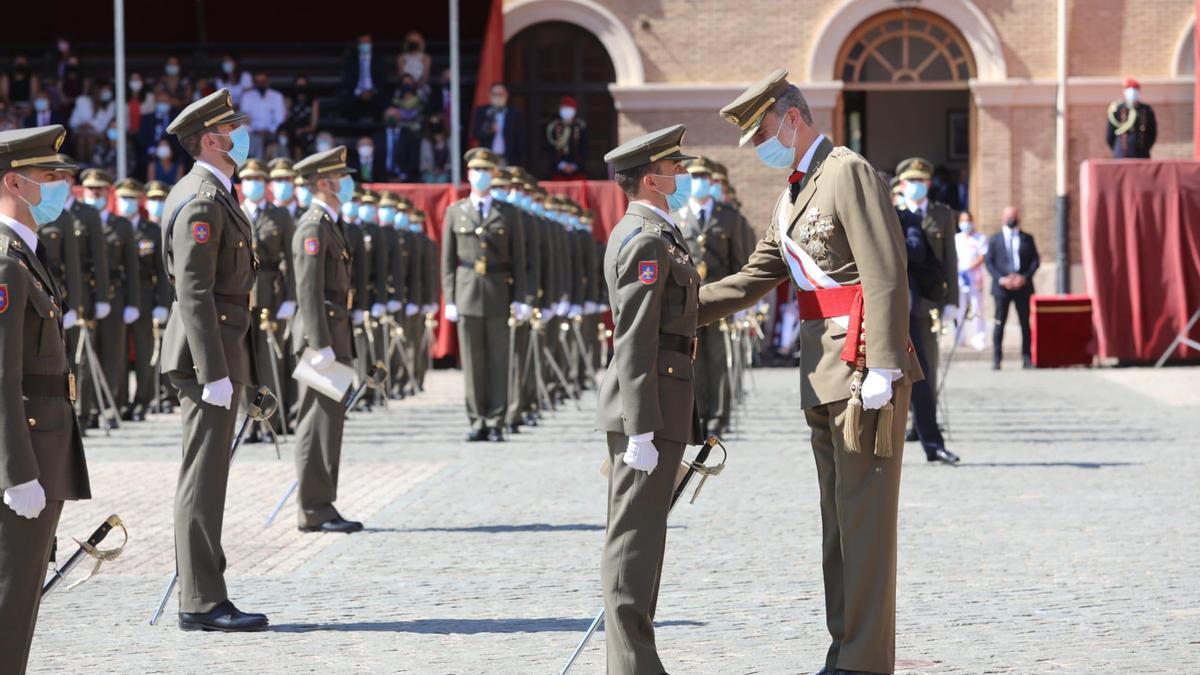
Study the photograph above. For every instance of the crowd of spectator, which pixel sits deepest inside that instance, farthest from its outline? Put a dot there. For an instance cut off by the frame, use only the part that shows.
(395, 105)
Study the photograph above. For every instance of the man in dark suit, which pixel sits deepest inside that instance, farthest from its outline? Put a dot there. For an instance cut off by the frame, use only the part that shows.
(367, 161)
(1011, 259)
(1131, 129)
(363, 81)
(398, 149)
(500, 128)
(43, 114)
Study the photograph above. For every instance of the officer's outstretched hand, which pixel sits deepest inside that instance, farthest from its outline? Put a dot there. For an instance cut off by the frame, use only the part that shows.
(451, 313)
(877, 387)
(641, 454)
(323, 359)
(27, 499)
(219, 393)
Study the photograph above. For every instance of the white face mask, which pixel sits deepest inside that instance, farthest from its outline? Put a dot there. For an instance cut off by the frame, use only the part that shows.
(1131, 95)
(567, 113)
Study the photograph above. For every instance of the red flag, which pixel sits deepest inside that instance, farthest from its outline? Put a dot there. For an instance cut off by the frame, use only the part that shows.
(491, 61)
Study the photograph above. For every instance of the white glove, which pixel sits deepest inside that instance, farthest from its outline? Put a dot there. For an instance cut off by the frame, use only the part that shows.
(949, 312)
(549, 311)
(159, 314)
(394, 306)
(740, 316)
(451, 313)
(130, 315)
(641, 454)
(356, 317)
(521, 311)
(378, 309)
(70, 319)
(287, 309)
(27, 499)
(411, 309)
(575, 311)
(877, 387)
(323, 359)
(103, 309)
(219, 393)
(562, 307)
(590, 307)
(429, 309)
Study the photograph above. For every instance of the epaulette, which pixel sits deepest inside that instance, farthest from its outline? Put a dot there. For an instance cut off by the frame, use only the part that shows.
(207, 190)
(647, 227)
(4, 240)
(841, 151)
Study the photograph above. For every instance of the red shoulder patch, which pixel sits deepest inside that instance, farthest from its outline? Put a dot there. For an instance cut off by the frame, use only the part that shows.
(201, 232)
(3, 298)
(648, 271)
(312, 245)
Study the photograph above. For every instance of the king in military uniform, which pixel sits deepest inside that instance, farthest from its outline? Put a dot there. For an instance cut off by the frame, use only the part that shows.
(835, 235)
(646, 405)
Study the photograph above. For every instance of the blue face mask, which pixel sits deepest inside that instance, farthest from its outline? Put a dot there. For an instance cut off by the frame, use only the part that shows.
(387, 215)
(364, 48)
(701, 187)
(127, 206)
(240, 137)
(303, 197)
(162, 107)
(282, 189)
(717, 192)
(416, 227)
(775, 154)
(480, 180)
(915, 190)
(41, 105)
(499, 195)
(111, 133)
(254, 189)
(683, 189)
(527, 202)
(53, 197)
(366, 213)
(349, 210)
(402, 220)
(97, 203)
(513, 197)
(538, 209)
(345, 190)
(155, 208)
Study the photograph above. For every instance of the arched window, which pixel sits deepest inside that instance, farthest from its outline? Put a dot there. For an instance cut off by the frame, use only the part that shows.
(906, 47)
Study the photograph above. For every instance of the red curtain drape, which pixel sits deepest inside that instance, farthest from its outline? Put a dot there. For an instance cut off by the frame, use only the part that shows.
(491, 60)
(1141, 253)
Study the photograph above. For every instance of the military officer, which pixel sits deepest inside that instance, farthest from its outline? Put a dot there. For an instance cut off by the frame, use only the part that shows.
(503, 190)
(361, 275)
(715, 241)
(431, 293)
(393, 219)
(567, 142)
(93, 304)
(283, 186)
(483, 271)
(208, 249)
(647, 404)
(376, 247)
(156, 197)
(1131, 129)
(410, 290)
(41, 452)
(940, 223)
(835, 234)
(124, 288)
(154, 298)
(283, 195)
(324, 286)
(63, 261)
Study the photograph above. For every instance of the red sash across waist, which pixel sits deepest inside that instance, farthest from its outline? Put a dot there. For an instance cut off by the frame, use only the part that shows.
(826, 303)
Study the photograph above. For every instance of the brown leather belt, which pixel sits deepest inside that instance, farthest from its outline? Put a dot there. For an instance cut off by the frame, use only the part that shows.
(492, 268)
(684, 344)
(49, 386)
(239, 300)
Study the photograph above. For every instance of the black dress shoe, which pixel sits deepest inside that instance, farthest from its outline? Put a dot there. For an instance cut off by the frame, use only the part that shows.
(494, 434)
(531, 420)
(477, 435)
(943, 455)
(127, 415)
(224, 618)
(90, 422)
(1027, 362)
(337, 524)
(514, 428)
(910, 436)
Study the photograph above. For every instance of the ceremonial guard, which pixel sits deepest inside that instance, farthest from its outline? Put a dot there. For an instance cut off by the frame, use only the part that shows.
(360, 282)
(835, 234)
(413, 289)
(715, 240)
(61, 247)
(1131, 129)
(566, 140)
(283, 195)
(506, 187)
(378, 277)
(431, 291)
(124, 288)
(92, 303)
(647, 404)
(483, 270)
(156, 199)
(324, 293)
(208, 250)
(155, 295)
(41, 451)
(394, 219)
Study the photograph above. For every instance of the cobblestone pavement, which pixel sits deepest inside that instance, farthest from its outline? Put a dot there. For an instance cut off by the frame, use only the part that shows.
(1066, 543)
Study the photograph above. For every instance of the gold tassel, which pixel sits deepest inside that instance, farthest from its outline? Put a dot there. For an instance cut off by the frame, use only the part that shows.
(883, 431)
(853, 421)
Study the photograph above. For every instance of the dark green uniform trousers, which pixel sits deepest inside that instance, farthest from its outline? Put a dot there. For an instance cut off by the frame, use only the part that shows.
(711, 372)
(318, 456)
(25, 547)
(113, 348)
(483, 347)
(519, 399)
(208, 433)
(634, 544)
(144, 373)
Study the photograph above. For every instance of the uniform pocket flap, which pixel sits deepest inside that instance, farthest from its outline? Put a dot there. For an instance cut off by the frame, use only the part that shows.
(674, 364)
(46, 414)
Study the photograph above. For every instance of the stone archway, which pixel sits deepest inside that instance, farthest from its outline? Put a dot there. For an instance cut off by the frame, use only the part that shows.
(589, 15)
(1184, 63)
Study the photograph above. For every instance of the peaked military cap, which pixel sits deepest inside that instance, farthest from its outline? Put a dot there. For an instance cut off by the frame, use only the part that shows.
(369, 197)
(480, 158)
(501, 179)
(914, 168)
(649, 148)
(96, 178)
(130, 187)
(746, 112)
(700, 165)
(36, 147)
(214, 109)
(253, 168)
(895, 183)
(418, 216)
(587, 217)
(157, 189)
(403, 204)
(281, 169)
(387, 198)
(333, 159)
(719, 171)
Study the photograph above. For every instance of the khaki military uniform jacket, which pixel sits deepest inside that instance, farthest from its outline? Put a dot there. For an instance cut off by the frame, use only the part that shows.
(717, 247)
(430, 274)
(548, 292)
(209, 256)
(653, 288)
(273, 232)
(361, 267)
(399, 264)
(483, 263)
(124, 286)
(322, 256)
(155, 290)
(531, 234)
(39, 435)
(93, 257)
(377, 247)
(62, 254)
(843, 217)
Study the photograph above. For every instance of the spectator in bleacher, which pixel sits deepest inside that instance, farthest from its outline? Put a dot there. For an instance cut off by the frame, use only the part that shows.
(61, 57)
(8, 119)
(413, 61)
(135, 100)
(303, 115)
(438, 102)
(409, 104)
(43, 113)
(435, 152)
(324, 141)
(500, 128)
(203, 87)
(233, 78)
(71, 85)
(19, 86)
(399, 147)
(164, 166)
(173, 84)
(365, 162)
(362, 81)
(267, 112)
(151, 130)
(90, 118)
(104, 151)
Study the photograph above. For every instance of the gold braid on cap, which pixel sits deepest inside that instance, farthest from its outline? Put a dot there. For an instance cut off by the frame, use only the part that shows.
(18, 163)
(218, 118)
(762, 110)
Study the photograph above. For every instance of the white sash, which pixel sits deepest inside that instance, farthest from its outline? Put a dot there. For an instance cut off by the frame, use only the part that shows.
(805, 272)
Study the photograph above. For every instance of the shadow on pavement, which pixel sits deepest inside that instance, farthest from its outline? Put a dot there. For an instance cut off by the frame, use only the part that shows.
(1069, 465)
(458, 626)
(500, 529)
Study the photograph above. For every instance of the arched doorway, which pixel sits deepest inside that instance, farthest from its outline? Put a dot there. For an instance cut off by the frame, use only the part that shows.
(549, 60)
(906, 75)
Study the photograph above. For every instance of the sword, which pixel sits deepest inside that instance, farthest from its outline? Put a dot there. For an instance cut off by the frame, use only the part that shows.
(687, 471)
(264, 405)
(88, 548)
(398, 346)
(99, 383)
(588, 368)
(155, 361)
(375, 380)
(512, 353)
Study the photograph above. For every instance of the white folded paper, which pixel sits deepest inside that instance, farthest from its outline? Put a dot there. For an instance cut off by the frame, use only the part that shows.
(334, 381)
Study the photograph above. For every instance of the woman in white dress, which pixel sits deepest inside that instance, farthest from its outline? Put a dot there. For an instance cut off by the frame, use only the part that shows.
(971, 246)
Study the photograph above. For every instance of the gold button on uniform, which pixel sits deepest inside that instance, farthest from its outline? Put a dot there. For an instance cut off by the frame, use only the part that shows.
(241, 244)
(670, 369)
(222, 317)
(51, 314)
(32, 421)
